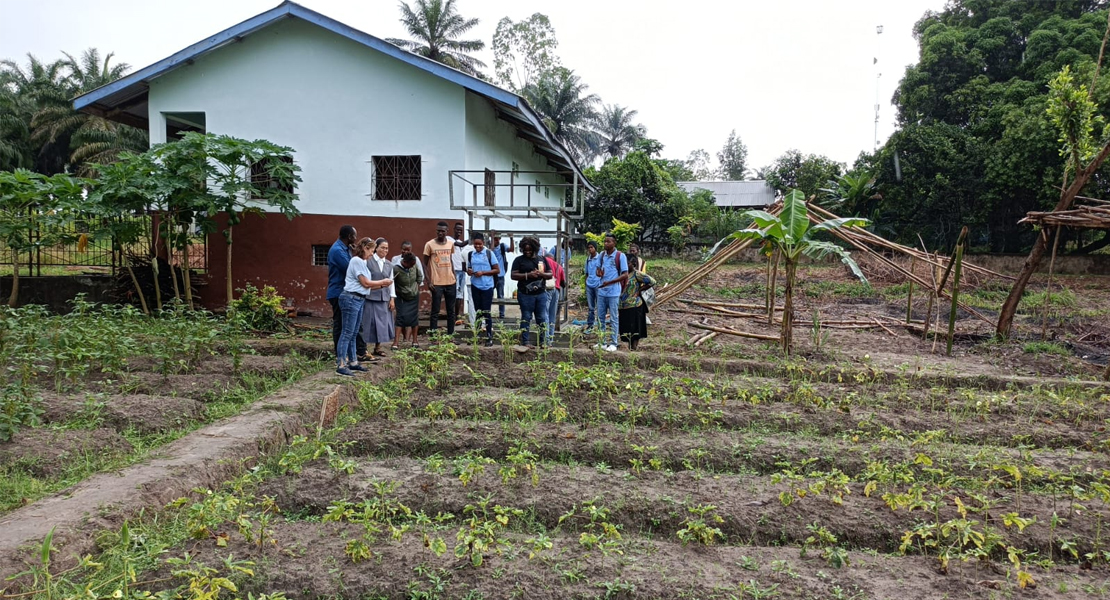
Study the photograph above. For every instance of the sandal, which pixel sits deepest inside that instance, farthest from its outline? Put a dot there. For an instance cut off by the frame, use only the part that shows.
(395, 347)
(378, 353)
(415, 345)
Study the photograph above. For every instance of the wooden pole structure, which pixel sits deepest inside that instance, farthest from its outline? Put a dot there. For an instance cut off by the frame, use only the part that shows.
(909, 297)
(725, 330)
(1048, 288)
(955, 291)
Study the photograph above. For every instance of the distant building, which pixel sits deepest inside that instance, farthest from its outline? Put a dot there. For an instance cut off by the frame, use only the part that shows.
(735, 194)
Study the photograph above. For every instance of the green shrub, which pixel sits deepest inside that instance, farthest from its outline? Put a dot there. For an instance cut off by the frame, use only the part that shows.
(259, 310)
(1045, 348)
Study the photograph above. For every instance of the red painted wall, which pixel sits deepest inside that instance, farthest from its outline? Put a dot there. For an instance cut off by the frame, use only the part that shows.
(274, 250)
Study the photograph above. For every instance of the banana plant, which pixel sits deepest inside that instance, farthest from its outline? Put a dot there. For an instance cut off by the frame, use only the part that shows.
(792, 234)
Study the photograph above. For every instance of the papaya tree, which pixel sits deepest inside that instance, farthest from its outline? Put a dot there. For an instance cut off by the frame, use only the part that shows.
(36, 212)
(792, 234)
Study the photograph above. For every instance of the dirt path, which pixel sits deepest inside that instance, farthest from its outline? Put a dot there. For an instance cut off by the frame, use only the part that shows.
(204, 458)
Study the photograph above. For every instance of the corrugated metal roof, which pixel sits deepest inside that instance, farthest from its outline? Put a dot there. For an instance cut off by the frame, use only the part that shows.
(741, 194)
(125, 99)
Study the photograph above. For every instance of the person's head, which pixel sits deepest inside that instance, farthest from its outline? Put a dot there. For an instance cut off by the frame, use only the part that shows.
(494, 238)
(633, 262)
(383, 247)
(591, 248)
(406, 247)
(458, 230)
(441, 231)
(610, 242)
(478, 241)
(634, 249)
(348, 235)
(408, 259)
(529, 246)
(365, 247)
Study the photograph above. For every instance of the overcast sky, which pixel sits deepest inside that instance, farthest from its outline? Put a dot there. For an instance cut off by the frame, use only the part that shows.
(784, 74)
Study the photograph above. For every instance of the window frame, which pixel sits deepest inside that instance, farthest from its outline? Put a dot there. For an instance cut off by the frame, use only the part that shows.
(401, 181)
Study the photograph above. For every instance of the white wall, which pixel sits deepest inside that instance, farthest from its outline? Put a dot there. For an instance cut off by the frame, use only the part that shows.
(493, 144)
(336, 102)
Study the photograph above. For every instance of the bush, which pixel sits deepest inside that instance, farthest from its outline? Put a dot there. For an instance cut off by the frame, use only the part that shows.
(259, 310)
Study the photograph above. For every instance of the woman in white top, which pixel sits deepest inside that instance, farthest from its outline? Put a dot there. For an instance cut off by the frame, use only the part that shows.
(377, 317)
(356, 286)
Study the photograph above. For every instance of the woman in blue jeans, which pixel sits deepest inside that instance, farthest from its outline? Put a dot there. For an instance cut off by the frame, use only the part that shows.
(355, 287)
(531, 275)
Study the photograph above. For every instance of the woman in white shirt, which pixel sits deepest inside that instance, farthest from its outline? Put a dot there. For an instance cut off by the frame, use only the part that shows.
(377, 317)
(356, 286)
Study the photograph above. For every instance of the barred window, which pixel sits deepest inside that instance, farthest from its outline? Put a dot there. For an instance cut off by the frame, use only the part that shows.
(260, 176)
(396, 178)
(320, 255)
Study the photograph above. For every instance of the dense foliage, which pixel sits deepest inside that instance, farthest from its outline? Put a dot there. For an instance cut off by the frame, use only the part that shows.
(975, 145)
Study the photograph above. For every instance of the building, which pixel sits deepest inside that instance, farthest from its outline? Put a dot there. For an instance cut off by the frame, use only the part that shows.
(387, 141)
(742, 195)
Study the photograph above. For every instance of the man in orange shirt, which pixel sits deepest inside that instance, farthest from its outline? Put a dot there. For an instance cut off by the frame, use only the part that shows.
(441, 276)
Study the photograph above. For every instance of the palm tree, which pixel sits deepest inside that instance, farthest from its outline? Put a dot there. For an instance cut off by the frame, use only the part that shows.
(436, 26)
(23, 92)
(568, 111)
(90, 139)
(616, 131)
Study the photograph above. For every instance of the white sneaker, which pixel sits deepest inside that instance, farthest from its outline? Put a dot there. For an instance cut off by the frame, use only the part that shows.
(598, 346)
(610, 348)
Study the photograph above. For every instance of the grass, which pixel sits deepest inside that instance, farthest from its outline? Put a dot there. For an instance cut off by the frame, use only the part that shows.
(1045, 348)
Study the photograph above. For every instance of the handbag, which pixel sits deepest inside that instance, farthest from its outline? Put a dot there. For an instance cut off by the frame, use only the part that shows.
(648, 296)
(535, 286)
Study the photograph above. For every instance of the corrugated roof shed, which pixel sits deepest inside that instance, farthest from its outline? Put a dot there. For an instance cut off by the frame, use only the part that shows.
(735, 194)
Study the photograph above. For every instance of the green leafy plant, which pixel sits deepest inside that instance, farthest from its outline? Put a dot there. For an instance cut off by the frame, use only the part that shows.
(791, 233)
(259, 310)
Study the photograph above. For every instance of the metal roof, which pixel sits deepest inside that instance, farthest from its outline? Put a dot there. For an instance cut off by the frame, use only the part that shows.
(125, 99)
(742, 194)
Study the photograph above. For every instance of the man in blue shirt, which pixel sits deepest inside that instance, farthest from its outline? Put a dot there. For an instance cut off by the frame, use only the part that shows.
(614, 274)
(593, 261)
(500, 253)
(339, 256)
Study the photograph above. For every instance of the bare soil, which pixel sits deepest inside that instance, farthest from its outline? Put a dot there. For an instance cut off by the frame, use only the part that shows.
(47, 452)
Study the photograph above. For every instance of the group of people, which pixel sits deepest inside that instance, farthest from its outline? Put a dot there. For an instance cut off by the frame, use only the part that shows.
(375, 299)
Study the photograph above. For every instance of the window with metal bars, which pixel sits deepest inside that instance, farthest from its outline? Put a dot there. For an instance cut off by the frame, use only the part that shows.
(320, 255)
(396, 178)
(260, 176)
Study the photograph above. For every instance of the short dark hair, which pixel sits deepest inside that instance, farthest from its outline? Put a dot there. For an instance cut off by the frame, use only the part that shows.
(633, 261)
(591, 244)
(531, 242)
(381, 241)
(478, 236)
(441, 224)
(346, 231)
(610, 235)
(406, 243)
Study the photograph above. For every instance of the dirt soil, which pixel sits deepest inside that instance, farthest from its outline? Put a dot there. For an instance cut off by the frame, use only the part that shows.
(47, 452)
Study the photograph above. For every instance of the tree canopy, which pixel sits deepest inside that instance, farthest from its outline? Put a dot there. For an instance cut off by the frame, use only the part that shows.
(975, 145)
(435, 27)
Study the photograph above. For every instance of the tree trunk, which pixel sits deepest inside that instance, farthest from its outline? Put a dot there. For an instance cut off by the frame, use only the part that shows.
(771, 286)
(170, 226)
(188, 280)
(1067, 197)
(13, 299)
(138, 289)
(230, 294)
(788, 305)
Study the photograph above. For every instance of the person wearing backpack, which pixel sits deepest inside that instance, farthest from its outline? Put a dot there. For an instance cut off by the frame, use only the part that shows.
(501, 251)
(593, 261)
(530, 274)
(613, 272)
(553, 293)
(482, 267)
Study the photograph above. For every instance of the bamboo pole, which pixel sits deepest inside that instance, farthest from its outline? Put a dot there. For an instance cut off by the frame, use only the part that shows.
(909, 297)
(955, 291)
(708, 303)
(725, 330)
(1048, 288)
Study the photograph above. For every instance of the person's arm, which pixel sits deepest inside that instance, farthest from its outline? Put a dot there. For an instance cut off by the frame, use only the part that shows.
(495, 271)
(427, 258)
(518, 275)
(647, 281)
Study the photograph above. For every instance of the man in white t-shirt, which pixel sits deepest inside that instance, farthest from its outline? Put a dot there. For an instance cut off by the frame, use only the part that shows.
(458, 263)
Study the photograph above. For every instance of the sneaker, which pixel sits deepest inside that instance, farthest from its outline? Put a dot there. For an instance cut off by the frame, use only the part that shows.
(359, 368)
(610, 348)
(344, 371)
(489, 343)
(598, 346)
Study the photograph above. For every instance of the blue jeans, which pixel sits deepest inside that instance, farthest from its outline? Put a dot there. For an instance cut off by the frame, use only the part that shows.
(552, 312)
(609, 305)
(591, 301)
(345, 349)
(460, 284)
(499, 287)
(532, 305)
